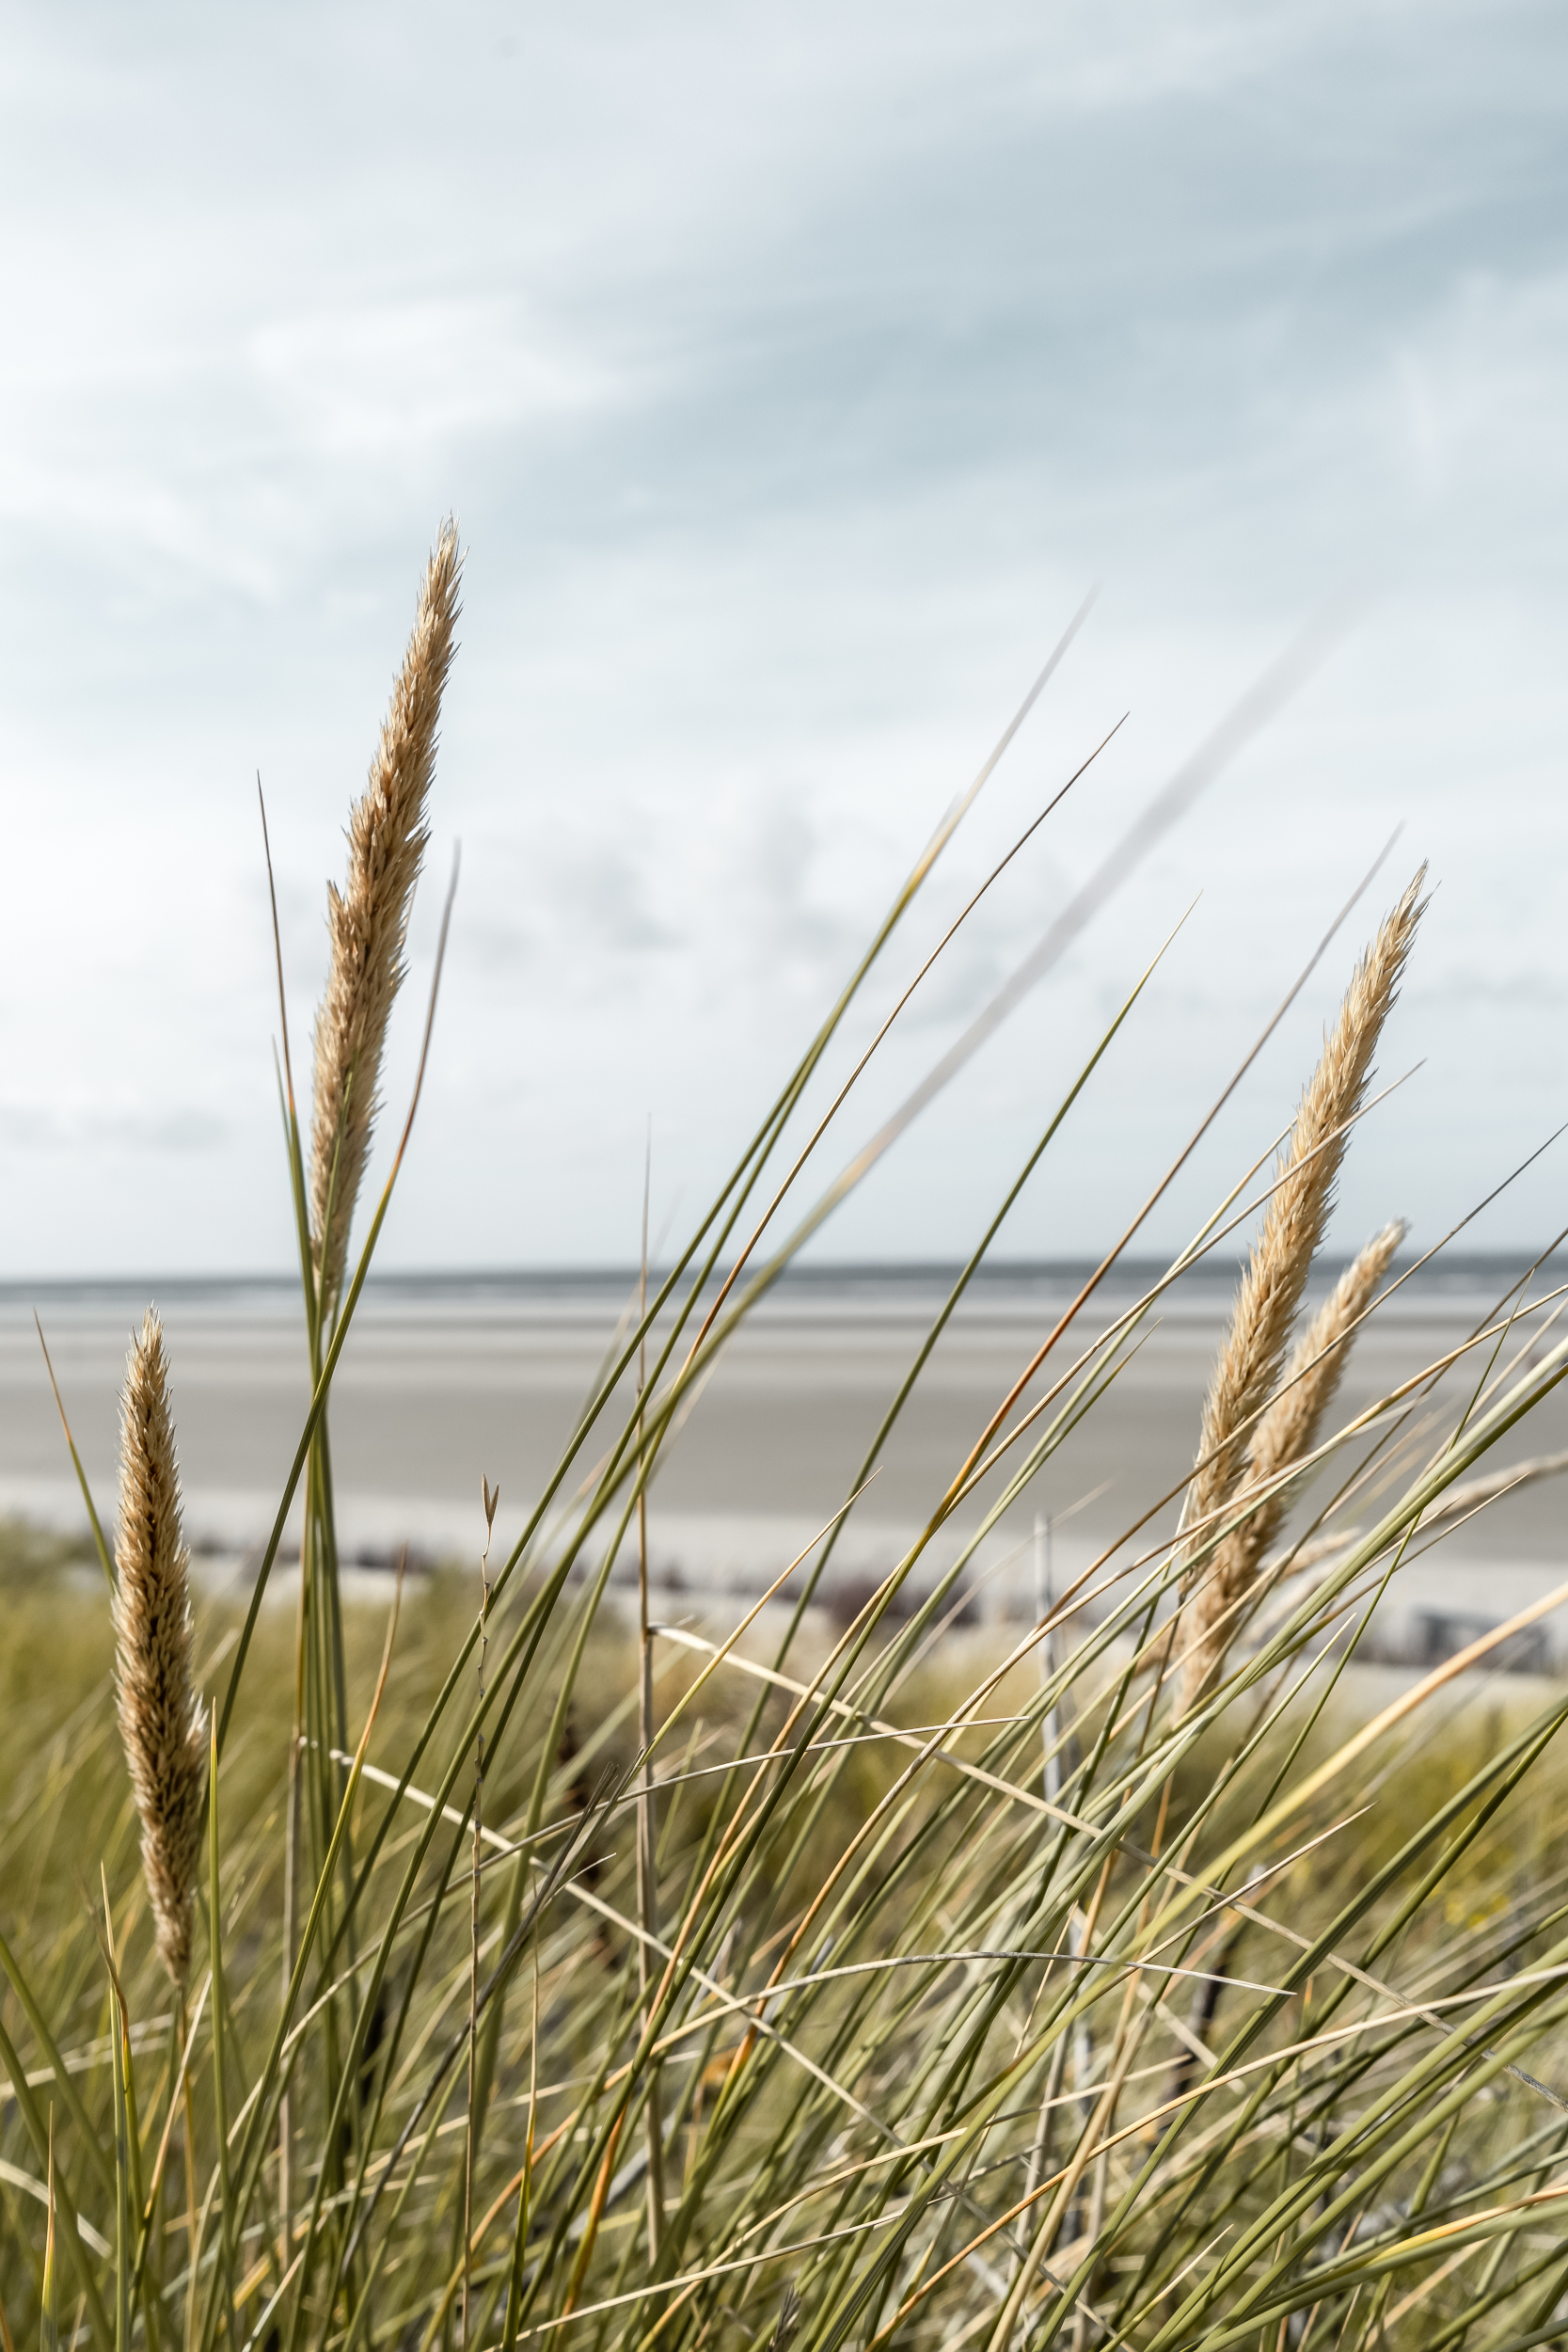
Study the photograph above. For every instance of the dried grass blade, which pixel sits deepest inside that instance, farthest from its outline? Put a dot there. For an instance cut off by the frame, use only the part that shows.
(104, 1559)
(49, 2326)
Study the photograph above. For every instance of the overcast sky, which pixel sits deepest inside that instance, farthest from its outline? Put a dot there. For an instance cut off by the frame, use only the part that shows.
(793, 374)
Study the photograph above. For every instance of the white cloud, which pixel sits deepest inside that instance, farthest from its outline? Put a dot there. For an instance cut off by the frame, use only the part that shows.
(397, 378)
(792, 374)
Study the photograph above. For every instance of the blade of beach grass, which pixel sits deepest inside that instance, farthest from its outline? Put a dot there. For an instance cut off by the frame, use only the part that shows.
(296, 1155)
(519, 2243)
(63, 2209)
(339, 1334)
(1460, 1501)
(186, 2045)
(128, 2152)
(260, 2106)
(104, 1561)
(1053, 662)
(223, 2284)
(120, 2043)
(647, 1841)
(49, 2333)
(33, 2011)
(476, 2095)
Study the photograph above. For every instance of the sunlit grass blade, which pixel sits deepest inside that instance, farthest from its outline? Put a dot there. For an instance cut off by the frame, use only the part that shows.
(49, 2322)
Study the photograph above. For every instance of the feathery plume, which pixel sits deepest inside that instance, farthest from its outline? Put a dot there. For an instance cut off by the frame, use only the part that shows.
(1288, 1433)
(369, 920)
(160, 1719)
(1249, 1364)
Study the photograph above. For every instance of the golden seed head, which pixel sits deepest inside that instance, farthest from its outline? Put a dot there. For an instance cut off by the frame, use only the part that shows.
(1250, 1361)
(160, 1719)
(368, 921)
(1286, 1434)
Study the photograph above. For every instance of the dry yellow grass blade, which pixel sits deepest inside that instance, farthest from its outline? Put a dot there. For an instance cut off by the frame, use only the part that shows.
(368, 919)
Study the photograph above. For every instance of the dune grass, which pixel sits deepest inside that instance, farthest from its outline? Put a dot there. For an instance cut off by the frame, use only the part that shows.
(557, 1977)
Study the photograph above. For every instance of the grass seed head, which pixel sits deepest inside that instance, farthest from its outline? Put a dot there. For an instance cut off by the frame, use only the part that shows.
(1289, 1430)
(160, 1719)
(368, 920)
(1250, 1361)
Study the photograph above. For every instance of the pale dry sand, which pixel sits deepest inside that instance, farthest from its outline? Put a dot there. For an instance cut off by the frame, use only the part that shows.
(442, 1382)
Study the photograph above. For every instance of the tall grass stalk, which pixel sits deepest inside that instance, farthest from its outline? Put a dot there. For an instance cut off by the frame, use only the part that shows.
(1249, 1363)
(868, 1982)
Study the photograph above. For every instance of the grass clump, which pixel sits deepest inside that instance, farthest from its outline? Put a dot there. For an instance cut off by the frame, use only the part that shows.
(850, 1984)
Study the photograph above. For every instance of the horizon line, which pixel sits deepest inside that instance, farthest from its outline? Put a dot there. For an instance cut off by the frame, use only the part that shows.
(620, 1272)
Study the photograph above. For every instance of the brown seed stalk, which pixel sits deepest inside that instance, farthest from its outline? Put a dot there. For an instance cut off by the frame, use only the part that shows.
(368, 921)
(162, 1721)
(1250, 1361)
(1288, 1433)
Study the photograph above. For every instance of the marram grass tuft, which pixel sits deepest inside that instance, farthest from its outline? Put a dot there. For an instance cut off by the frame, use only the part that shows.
(871, 1983)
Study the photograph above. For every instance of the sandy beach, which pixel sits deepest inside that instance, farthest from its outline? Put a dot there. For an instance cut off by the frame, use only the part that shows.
(443, 1380)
